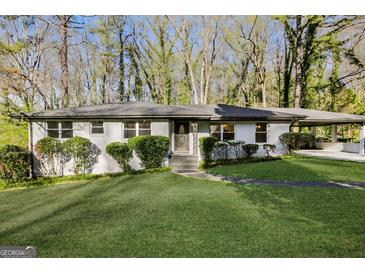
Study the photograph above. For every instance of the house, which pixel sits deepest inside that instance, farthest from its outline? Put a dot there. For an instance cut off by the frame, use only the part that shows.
(183, 124)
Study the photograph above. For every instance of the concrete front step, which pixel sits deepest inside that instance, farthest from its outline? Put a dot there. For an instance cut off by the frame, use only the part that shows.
(184, 171)
(184, 158)
(184, 166)
(184, 163)
(181, 162)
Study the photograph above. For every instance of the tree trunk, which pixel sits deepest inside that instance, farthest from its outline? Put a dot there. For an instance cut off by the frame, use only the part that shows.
(263, 88)
(121, 65)
(64, 62)
(298, 62)
(103, 89)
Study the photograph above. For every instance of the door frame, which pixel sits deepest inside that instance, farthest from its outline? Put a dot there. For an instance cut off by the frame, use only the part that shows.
(190, 152)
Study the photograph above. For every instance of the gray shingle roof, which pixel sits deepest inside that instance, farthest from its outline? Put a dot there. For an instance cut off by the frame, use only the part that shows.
(212, 112)
(313, 116)
(122, 110)
(149, 110)
(223, 111)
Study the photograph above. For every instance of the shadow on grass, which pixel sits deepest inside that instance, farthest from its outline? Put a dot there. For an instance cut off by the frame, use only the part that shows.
(76, 196)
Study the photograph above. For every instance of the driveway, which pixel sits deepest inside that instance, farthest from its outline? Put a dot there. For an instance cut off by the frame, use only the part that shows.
(332, 155)
(330, 184)
(237, 180)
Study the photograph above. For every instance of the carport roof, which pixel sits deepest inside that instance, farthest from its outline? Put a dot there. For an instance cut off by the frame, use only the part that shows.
(319, 117)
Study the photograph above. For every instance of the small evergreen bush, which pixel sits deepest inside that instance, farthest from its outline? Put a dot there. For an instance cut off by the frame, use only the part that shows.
(250, 149)
(222, 150)
(151, 150)
(49, 152)
(132, 142)
(206, 145)
(14, 164)
(269, 148)
(121, 153)
(236, 145)
(295, 140)
(307, 140)
(82, 152)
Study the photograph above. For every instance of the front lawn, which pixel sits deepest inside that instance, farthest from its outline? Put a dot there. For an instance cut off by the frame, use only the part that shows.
(167, 215)
(296, 169)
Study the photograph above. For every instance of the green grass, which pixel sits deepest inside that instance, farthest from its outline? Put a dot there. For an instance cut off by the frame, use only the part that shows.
(44, 181)
(167, 215)
(296, 169)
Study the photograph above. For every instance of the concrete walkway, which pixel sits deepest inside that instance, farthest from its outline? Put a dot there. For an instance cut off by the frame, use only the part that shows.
(204, 175)
(332, 155)
(200, 175)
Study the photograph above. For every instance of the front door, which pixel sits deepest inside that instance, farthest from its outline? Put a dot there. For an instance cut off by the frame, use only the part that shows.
(181, 133)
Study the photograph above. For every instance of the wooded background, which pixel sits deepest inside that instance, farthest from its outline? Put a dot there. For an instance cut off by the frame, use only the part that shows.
(50, 62)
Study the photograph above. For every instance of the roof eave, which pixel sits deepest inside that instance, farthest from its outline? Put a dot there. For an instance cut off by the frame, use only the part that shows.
(330, 121)
(222, 118)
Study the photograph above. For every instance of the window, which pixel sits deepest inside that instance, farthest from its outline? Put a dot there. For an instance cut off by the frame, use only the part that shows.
(136, 128)
(52, 129)
(66, 130)
(97, 127)
(223, 132)
(228, 132)
(61, 129)
(261, 132)
(130, 129)
(215, 131)
(144, 128)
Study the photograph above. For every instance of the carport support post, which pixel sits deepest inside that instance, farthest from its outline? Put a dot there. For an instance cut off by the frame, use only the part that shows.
(333, 134)
(362, 140)
(314, 131)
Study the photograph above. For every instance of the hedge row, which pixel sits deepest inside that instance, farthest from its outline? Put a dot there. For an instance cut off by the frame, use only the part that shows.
(240, 150)
(53, 155)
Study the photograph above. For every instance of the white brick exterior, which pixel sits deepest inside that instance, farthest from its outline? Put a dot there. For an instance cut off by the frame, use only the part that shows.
(113, 132)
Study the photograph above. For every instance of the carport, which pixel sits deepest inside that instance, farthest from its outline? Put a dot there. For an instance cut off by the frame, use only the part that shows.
(316, 118)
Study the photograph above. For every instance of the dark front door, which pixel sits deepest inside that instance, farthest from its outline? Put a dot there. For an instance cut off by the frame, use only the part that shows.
(181, 133)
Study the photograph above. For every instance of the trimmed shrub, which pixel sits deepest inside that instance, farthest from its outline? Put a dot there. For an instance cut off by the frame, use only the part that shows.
(236, 145)
(222, 150)
(250, 149)
(307, 140)
(121, 153)
(269, 148)
(82, 152)
(49, 152)
(290, 140)
(151, 150)
(295, 140)
(132, 142)
(14, 164)
(206, 145)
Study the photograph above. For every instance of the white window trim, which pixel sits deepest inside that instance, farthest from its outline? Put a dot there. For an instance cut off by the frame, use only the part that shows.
(221, 130)
(136, 127)
(91, 128)
(59, 128)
